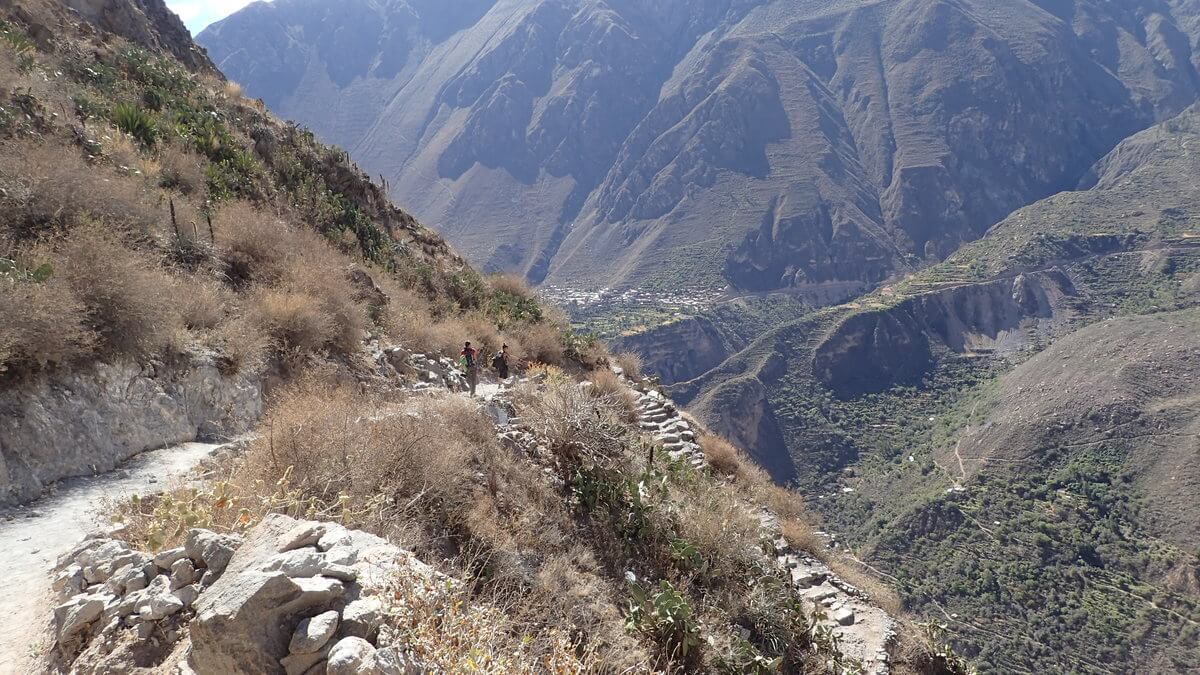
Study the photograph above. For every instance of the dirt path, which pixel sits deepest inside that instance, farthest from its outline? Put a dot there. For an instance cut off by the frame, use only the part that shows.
(34, 536)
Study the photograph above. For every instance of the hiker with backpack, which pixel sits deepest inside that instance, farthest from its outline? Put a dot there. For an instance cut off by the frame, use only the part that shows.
(500, 362)
(470, 364)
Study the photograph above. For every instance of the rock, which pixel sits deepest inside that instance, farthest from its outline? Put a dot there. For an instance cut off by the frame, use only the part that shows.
(392, 661)
(241, 621)
(101, 561)
(77, 614)
(844, 616)
(212, 550)
(183, 573)
(117, 584)
(69, 582)
(352, 656)
(188, 594)
(303, 535)
(804, 578)
(299, 664)
(165, 559)
(362, 618)
(157, 601)
(312, 633)
(308, 563)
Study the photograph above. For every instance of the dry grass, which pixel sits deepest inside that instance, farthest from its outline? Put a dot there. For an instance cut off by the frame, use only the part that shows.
(865, 580)
(608, 387)
(243, 345)
(510, 284)
(46, 188)
(721, 527)
(802, 536)
(722, 456)
(131, 303)
(630, 364)
(203, 303)
(255, 246)
(180, 171)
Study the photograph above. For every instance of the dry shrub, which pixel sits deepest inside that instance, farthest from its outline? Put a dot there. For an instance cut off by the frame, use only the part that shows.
(510, 284)
(865, 580)
(482, 333)
(607, 386)
(131, 303)
(203, 303)
(447, 628)
(722, 456)
(48, 187)
(572, 421)
(294, 321)
(802, 536)
(180, 170)
(255, 246)
(351, 456)
(321, 274)
(721, 528)
(243, 345)
(630, 364)
(570, 590)
(122, 151)
(232, 89)
(541, 342)
(42, 325)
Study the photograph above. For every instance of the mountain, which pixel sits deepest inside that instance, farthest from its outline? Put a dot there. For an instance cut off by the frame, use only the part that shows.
(759, 144)
(1010, 433)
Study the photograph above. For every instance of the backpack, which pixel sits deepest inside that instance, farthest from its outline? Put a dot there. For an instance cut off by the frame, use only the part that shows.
(498, 360)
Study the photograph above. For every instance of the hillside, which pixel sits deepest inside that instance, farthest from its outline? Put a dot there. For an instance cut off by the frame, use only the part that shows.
(227, 362)
(762, 145)
(1016, 418)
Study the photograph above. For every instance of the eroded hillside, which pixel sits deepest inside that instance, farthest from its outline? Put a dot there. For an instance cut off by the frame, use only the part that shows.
(763, 144)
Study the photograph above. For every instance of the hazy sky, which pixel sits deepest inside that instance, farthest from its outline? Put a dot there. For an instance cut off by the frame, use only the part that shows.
(197, 14)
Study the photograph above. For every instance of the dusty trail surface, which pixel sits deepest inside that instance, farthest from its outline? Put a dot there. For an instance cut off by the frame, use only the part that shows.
(34, 536)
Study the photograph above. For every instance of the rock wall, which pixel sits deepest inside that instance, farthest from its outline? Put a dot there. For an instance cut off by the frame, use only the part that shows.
(93, 419)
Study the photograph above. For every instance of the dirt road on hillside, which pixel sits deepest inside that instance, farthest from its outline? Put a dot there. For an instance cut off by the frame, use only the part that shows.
(34, 536)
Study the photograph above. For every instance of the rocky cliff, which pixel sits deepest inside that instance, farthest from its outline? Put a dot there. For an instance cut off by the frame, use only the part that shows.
(91, 420)
(765, 144)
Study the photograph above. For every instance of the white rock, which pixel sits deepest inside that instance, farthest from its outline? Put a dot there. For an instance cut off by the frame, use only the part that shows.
(352, 656)
(844, 616)
(165, 559)
(188, 594)
(362, 618)
(77, 614)
(183, 573)
(211, 549)
(312, 633)
(299, 664)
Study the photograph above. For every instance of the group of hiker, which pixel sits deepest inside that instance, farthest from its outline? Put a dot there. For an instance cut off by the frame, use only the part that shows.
(469, 360)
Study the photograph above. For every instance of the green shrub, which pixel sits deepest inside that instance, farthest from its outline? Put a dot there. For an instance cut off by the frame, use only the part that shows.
(136, 122)
(665, 615)
(232, 177)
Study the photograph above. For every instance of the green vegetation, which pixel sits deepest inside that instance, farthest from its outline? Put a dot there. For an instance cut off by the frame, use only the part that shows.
(135, 122)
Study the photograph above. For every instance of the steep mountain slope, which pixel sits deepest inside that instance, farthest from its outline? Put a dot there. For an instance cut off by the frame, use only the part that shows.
(758, 143)
(1011, 432)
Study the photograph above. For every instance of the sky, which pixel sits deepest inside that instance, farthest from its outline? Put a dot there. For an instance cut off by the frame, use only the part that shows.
(198, 14)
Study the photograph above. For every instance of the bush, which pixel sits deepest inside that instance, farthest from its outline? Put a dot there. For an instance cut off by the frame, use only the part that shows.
(180, 171)
(608, 387)
(630, 364)
(131, 303)
(42, 326)
(541, 342)
(137, 123)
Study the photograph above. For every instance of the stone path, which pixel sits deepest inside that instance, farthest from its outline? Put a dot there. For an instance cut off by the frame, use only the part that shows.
(658, 416)
(34, 536)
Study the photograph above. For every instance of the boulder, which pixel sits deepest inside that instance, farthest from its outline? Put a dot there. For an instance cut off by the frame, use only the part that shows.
(312, 633)
(362, 618)
(302, 535)
(299, 664)
(77, 614)
(844, 616)
(69, 582)
(210, 549)
(183, 573)
(308, 563)
(352, 656)
(244, 621)
(165, 559)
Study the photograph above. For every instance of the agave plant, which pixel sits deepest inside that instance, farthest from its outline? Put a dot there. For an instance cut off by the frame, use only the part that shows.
(136, 122)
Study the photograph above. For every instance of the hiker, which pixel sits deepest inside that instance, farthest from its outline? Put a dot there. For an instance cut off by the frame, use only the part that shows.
(471, 365)
(500, 362)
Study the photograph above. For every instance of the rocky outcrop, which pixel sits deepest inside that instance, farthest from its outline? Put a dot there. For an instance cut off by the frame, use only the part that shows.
(149, 23)
(289, 597)
(90, 420)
